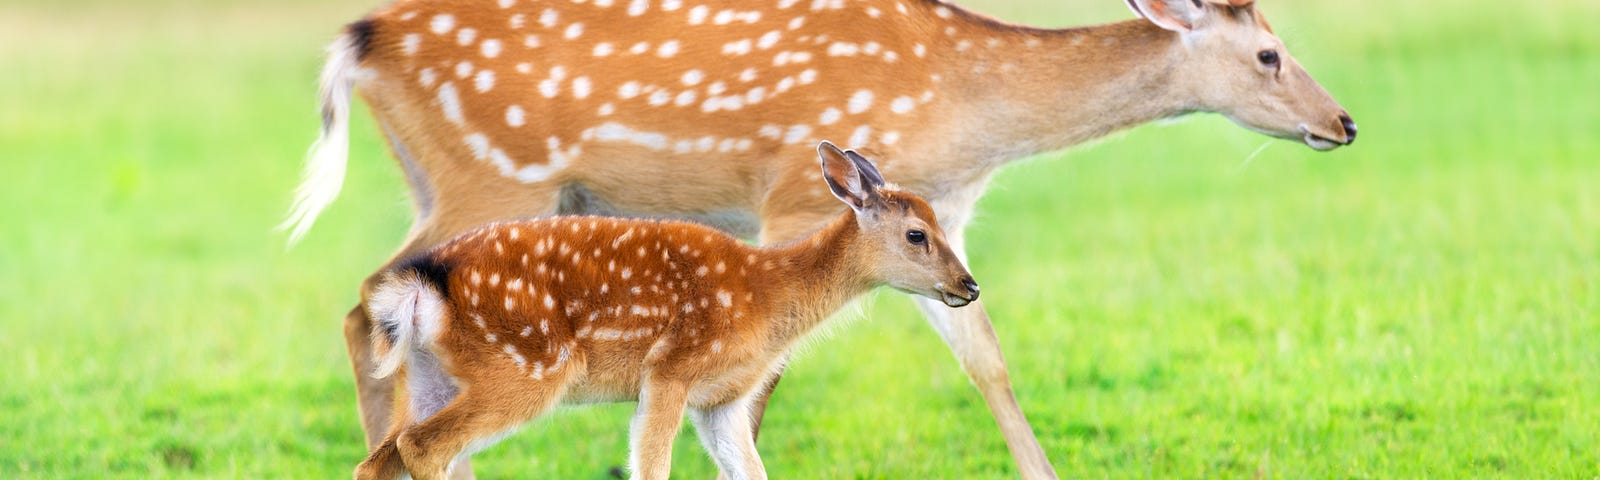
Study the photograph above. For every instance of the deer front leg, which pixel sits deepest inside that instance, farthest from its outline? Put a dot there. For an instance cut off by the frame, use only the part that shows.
(971, 338)
(654, 425)
(724, 430)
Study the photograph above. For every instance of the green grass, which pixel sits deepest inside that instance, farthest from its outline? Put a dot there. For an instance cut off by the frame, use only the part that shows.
(1422, 305)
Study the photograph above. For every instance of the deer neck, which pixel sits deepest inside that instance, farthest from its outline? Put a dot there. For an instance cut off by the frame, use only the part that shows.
(812, 278)
(1024, 91)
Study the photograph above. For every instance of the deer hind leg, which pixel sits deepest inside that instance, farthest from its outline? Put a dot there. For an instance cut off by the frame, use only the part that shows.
(724, 431)
(435, 447)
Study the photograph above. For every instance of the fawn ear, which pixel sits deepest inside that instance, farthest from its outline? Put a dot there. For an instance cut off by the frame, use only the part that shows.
(846, 179)
(869, 171)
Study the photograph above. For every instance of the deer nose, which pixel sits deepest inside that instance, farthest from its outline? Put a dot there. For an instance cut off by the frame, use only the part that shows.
(1349, 128)
(971, 286)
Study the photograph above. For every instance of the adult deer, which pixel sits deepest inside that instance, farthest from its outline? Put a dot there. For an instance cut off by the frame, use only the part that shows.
(705, 110)
(502, 324)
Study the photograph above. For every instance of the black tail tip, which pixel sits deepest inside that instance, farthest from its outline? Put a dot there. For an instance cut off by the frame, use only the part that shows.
(361, 34)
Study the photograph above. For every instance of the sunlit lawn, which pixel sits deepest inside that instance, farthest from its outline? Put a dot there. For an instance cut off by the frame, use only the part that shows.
(1420, 305)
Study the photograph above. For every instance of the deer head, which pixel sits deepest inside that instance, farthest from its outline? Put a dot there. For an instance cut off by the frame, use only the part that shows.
(1240, 69)
(907, 249)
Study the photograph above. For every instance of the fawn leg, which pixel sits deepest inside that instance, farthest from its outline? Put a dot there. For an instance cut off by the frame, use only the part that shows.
(654, 426)
(724, 430)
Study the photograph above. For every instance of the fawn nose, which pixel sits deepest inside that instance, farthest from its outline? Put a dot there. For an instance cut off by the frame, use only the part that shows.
(1349, 128)
(971, 286)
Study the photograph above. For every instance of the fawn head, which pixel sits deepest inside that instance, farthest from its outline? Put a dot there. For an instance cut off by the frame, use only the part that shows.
(1237, 67)
(908, 249)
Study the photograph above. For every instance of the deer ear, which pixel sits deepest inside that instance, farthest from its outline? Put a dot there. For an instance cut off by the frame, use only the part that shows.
(845, 179)
(1175, 15)
(869, 171)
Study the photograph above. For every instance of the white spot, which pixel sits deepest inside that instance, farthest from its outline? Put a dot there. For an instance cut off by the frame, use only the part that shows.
(602, 49)
(796, 22)
(861, 137)
(484, 81)
(616, 132)
(808, 76)
(768, 40)
(660, 97)
(507, 3)
(638, 7)
(629, 90)
(842, 49)
(531, 41)
(920, 50)
(723, 17)
(581, 87)
(902, 104)
(479, 144)
(693, 77)
(697, 15)
(442, 23)
(859, 101)
(607, 109)
(667, 49)
(428, 76)
(725, 298)
(889, 138)
(491, 48)
(463, 69)
(740, 47)
(685, 98)
(548, 18)
(411, 44)
(450, 103)
(573, 31)
(549, 87)
(797, 134)
(639, 48)
(830, 116)
(671, 5)
(716, 346)
(465, 36)
(747, 75)
(518, 21)
(515, 116)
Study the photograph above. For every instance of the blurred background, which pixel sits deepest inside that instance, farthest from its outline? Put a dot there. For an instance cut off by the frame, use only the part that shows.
(1422, 304)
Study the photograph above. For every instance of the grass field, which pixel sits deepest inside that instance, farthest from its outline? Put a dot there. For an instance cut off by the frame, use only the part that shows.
(1421, 305)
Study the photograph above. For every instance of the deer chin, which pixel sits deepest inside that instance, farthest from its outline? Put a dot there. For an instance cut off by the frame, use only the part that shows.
(1317, 142)
(954, 301)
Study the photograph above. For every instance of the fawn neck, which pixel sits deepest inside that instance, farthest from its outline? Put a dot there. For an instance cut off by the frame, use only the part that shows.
(1027, 91)
(813, 278)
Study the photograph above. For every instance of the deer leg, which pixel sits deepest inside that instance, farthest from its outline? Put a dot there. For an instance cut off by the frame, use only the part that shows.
(654, 426)
(724, 431)
(971, 338)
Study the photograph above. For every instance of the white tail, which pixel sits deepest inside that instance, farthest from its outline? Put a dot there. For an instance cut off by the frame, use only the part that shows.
(404, 304)
(325, 166)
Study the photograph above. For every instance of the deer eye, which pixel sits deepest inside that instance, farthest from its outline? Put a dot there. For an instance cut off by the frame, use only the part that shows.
(1268, 58)
(917, 237)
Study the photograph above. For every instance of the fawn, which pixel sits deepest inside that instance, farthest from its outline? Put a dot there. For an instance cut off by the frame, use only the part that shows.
(507, 321)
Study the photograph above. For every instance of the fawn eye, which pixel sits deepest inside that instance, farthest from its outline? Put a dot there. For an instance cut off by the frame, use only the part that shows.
(1268, 58)
(917, 237)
